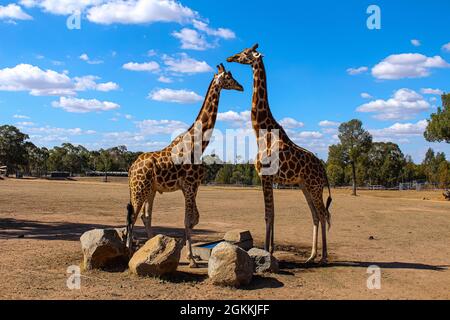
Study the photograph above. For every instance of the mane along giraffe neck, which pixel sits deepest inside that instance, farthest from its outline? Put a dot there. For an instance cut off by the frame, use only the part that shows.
(178, 166)
(296, 165)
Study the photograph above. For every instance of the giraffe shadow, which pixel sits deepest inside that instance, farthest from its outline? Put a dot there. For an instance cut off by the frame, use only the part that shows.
(11, 228)
(291, 265)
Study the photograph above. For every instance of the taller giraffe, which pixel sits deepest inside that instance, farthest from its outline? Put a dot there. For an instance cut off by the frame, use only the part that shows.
(296, 166)
(178, 166)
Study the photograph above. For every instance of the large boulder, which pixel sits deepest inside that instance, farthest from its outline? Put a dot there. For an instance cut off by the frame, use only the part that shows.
(263, 261)
(159, 256)
(241, 238)
(230, 265)
(104, 249)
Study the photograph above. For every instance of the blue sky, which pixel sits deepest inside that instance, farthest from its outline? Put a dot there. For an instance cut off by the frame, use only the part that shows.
(137, 70)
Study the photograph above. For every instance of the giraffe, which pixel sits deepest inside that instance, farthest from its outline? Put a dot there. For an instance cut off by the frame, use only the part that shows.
(176, 167)
(296, 165)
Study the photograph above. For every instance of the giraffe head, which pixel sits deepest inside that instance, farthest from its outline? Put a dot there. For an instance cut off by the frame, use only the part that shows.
(248, 56)
(225, 79)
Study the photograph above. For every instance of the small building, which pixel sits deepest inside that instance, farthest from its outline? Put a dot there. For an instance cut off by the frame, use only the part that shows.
(59, 174)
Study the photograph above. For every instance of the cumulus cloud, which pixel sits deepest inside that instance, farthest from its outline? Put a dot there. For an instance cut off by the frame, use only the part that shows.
(400, 130)
(165, 79)
(416, 43)
(236, 119)
(89, 83)
(20, 116)
(404, 104)
(356, 71)
(154, 127)
(176, 96)
(446, 47)
(366, 95)
(220, 32)
(26, 77)
(407, 65)
(151, 66)
(432, 91)
(327, 123)
(86, 58)
(185, 64)
(191, 39)
(60, 7)
(13, 12)
(140, 12)
(290, 123)
(75, 105)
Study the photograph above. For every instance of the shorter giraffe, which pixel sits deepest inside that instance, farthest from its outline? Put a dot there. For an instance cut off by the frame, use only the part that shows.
(178, 166)
(296, 165)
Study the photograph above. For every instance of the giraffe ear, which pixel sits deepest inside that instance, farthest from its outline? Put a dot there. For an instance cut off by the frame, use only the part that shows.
(220, 68)
(255, 47)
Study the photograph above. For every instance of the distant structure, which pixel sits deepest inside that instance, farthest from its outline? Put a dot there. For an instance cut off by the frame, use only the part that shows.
(3, 170)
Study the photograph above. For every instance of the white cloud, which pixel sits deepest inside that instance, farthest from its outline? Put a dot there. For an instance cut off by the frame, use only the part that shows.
(177, 96)
(366, 95)
(220, 32)
(327, 123)
(147, 66)
(400, 130)
(86, 58)
(25, 124)
(432, 91)
(154, 127)
(416, 43)
(185, 64)
(407, 65)
(25, 77)
(164, 79)
(236, 119)
(446, 47)
(140, 12)
(356, 71)
(13, 12)
(305, 135)
(191, 39)
(89, 83)
(60, 7)
(290, 123)
(404, 104)
(83, 106)
(20, 116)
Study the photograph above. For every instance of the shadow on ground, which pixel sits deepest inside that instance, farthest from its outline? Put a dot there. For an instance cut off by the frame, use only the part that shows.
(290, 265)
(14, 228)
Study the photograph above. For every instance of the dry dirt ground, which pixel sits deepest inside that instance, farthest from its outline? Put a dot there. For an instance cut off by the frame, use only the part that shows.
(41, 222)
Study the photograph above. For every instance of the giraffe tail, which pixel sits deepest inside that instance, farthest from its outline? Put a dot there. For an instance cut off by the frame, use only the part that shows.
(327, 206)
(130, 215)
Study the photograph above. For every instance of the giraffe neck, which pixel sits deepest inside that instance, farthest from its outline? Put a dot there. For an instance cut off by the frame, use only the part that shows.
(261, 115)
(207, 116)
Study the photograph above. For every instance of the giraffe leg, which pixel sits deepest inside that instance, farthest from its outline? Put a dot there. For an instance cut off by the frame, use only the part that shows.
(133, 213)
(321, 212)
(147, 215)
(267, 185)
(315, 227)
(190, 220)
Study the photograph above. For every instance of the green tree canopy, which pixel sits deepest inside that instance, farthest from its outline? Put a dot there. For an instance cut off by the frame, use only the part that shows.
(438, 129)
(13, 151)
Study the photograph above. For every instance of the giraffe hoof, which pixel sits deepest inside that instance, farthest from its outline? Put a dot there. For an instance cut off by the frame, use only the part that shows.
(323, 262)
(193, 265)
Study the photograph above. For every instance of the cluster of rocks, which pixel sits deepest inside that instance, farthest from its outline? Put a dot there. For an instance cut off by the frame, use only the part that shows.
(106, 249)
(230, 263)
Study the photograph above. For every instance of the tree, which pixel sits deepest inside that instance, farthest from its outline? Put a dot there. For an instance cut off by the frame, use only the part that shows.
(385, 164)
(224, 174)
(444, 174)
(13, 152)
(355, 142)
(438, 128)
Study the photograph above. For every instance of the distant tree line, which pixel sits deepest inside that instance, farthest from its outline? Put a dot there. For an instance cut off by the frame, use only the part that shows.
(356, 160)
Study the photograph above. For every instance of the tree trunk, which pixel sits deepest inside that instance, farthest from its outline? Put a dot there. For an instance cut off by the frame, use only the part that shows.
(354, 178)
